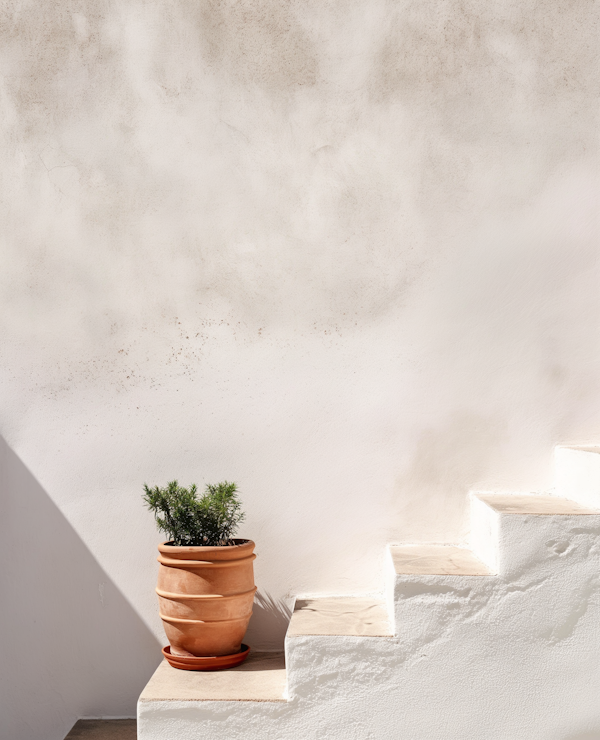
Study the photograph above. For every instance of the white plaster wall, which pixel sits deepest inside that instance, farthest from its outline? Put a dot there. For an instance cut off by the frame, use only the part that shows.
(71, 644)
(344, 253)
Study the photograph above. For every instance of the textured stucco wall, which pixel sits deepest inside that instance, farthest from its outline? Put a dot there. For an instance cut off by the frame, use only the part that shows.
(344, 253)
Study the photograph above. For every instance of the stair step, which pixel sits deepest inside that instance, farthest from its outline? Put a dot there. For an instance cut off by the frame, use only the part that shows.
(534, 504)
(343, 616)
(495, 639)
(436, 560)
(261, 677)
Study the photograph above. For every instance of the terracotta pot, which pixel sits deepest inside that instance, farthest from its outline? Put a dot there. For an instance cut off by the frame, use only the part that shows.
(205, 597)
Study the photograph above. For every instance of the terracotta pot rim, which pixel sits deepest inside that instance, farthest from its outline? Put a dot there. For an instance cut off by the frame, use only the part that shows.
(239, 541)
(203, 597)
(201, 548)
(222, 553)
(179, 620)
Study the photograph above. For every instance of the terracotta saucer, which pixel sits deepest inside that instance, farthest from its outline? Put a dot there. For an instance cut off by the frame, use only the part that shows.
(209, 663)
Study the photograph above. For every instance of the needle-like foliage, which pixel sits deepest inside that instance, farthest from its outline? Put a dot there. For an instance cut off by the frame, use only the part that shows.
(189, 519)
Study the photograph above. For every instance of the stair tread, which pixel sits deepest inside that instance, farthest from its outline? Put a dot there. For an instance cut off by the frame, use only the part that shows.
(438, 560)
(340, 616)
(535, 504)
(261, 677)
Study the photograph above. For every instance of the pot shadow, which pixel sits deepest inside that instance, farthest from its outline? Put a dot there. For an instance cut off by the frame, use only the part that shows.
(269, 623)
(72, 645)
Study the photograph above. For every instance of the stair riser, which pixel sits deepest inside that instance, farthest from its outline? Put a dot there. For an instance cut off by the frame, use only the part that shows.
(545, 543)
(428, 607)
(214, 720)
(319, 665)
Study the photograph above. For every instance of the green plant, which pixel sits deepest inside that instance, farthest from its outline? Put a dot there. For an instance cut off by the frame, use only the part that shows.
(189, 519)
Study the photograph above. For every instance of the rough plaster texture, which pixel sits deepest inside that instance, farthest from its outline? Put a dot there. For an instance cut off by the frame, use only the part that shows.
(344, 253)
(511, 655)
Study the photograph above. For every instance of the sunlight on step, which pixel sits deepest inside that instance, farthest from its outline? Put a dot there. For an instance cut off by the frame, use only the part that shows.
(440, 560)
(354, 617)
(260, 678)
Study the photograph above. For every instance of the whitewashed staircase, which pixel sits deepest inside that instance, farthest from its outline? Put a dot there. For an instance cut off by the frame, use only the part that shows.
(500, 641)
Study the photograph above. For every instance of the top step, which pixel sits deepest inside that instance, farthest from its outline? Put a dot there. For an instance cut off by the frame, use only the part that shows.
(436, 560)
(534, 504)
(340, 616)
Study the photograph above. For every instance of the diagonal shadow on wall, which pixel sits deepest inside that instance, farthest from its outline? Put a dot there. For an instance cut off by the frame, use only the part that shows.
(71, 644)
